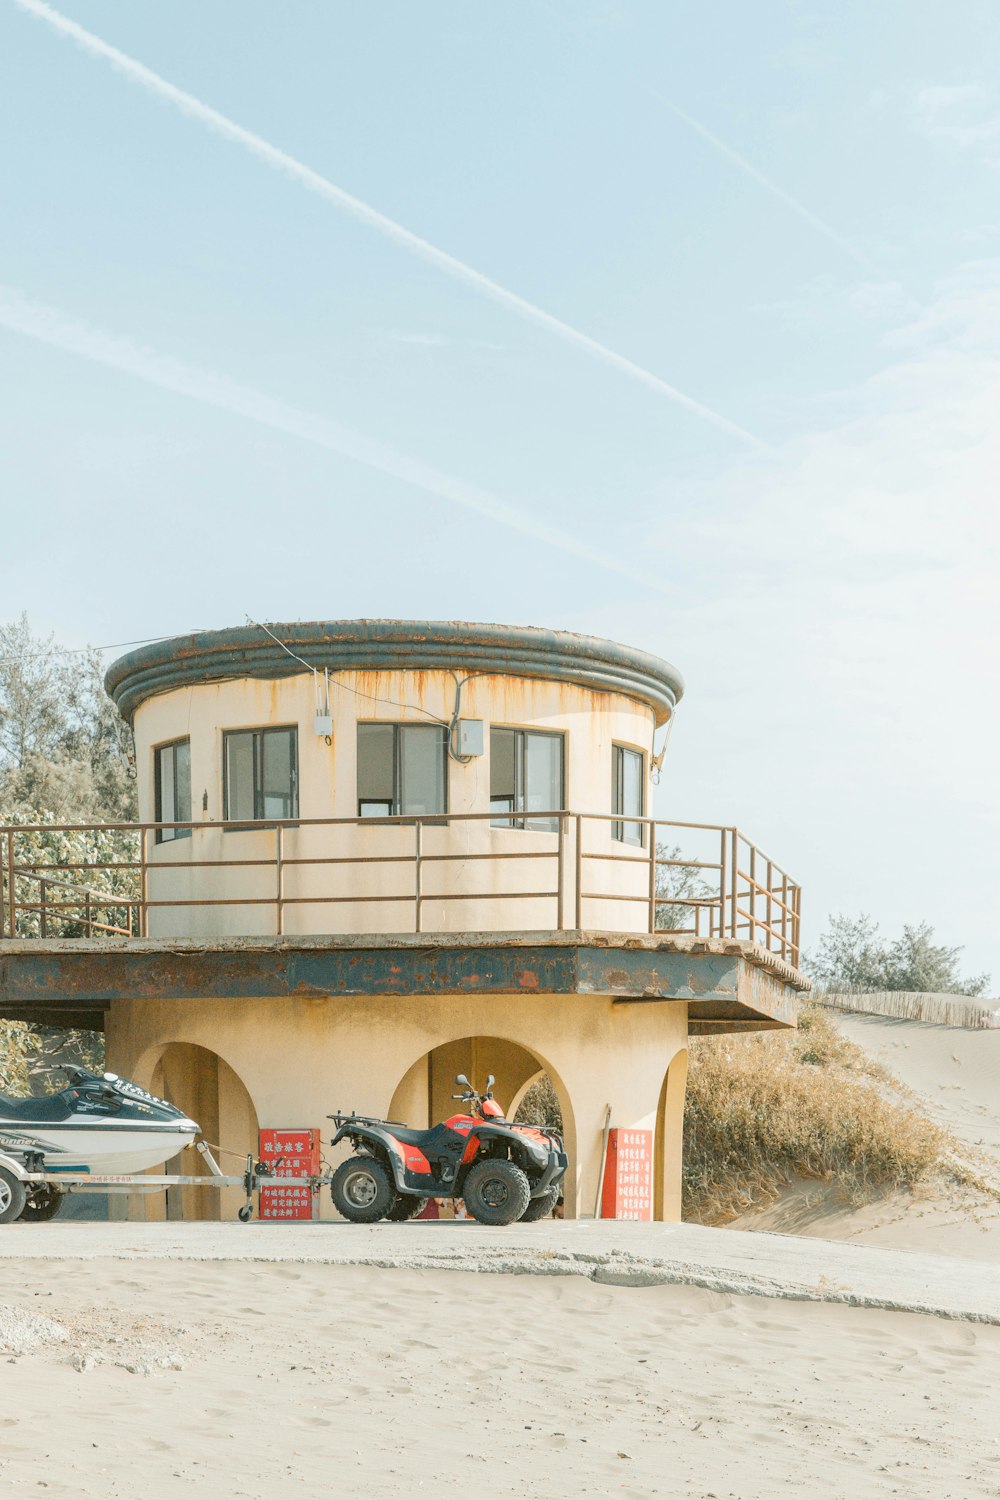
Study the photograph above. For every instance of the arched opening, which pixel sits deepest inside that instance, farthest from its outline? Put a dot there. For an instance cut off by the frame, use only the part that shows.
(206, 1088)
(668, 1146)
(423, 1095)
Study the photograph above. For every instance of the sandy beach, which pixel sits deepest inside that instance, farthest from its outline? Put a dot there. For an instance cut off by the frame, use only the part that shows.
(249, 1382)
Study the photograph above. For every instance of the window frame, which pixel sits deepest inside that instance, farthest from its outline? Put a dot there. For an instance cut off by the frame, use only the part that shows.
(259, 731)
(397, 725)
(518, 816)
(622, 818)
(169, 835)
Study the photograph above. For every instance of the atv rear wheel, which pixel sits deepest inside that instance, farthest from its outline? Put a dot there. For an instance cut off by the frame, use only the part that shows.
(406, 1206)
(12, 1196)
(540, 1207)
(496, 1191)
(362, 1190)
(42, 1203)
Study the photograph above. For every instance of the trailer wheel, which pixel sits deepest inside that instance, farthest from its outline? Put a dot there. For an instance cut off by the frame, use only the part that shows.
(41, 1203)
(12, 1196)
(246, 1213)
(362, 1190)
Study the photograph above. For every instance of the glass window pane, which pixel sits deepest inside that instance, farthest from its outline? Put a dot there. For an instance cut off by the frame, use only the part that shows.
(374, 809)
(503, 778)
(182, 786)
(239, 776)
(543, 790)
(502, 754)
(278, 789)
(376, 780)
(422, 762)
(632, 790)
(165, 791)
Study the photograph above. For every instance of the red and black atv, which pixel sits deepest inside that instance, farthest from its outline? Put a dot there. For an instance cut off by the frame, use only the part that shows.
(503, 1172)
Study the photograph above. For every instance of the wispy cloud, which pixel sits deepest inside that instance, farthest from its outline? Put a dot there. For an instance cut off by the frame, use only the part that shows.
(962, 114)
(298, 172)
(754, 173)
(37, 320)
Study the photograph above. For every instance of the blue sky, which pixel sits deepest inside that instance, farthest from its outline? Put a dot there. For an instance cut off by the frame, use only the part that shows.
(830, 594)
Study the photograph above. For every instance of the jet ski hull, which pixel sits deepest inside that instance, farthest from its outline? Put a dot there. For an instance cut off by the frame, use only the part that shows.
(101, 1148)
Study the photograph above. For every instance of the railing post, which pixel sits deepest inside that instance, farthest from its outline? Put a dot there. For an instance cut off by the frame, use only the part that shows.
(43, 896)
(279, 873)
(652, 877)
(722, 887)
(784, 916)
(417, 892)
(753, 894)
(561, 873)
(143, 884)
(88, 915)
(770, 904)
(734, 883)
(579, 873)
(11, 891)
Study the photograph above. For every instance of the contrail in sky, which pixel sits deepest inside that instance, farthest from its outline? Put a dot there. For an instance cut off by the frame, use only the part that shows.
(304, 175)
(751, 171)
(37, 320)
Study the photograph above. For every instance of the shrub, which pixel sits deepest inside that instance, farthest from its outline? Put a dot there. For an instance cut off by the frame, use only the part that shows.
(764, 1109)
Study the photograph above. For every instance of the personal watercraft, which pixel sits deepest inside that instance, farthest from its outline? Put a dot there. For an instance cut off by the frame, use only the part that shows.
(503, 1172)
(100, 1124)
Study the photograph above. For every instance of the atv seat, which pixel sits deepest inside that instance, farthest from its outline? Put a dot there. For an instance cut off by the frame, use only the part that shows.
(438, 1141)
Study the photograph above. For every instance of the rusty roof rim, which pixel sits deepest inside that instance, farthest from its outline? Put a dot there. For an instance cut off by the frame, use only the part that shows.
(387, 645)
(605, 941)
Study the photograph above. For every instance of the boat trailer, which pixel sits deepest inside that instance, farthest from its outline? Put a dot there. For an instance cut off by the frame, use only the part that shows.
(29, 1168)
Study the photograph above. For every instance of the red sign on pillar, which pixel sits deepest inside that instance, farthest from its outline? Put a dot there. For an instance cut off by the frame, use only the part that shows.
(296, 1153)
(628, 1176)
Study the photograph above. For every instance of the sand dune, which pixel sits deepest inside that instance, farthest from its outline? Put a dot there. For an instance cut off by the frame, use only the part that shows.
(953, 1074)
(317, 1380)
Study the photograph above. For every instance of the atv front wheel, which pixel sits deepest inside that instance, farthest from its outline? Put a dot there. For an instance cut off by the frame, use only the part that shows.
(43, 1202)
(496, 1192)
(540, 1207)
(406, 1206)
(12, 1196)
(362, 1190)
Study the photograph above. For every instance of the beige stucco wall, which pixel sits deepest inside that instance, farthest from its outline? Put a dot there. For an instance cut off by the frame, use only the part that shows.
(298, 1060)
(591, 721)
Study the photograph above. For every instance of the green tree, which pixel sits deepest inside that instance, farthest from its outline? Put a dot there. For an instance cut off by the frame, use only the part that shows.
(64, 748)
(673, 882)
(852, 955)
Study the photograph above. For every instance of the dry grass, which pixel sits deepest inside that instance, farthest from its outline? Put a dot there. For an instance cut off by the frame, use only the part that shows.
(765, 1109)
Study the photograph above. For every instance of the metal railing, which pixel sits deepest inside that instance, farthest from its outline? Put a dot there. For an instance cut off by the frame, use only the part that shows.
(579, 865)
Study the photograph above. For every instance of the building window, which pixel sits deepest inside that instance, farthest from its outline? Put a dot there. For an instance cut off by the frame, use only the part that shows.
(173, 789)
(526, 775)
(627, 787)
(261, 774)
(402, 770)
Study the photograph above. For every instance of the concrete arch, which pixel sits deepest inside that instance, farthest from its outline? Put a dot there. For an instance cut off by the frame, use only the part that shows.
(202, 1084)
(423, 1094)
(516, 1101)
(669, 1141)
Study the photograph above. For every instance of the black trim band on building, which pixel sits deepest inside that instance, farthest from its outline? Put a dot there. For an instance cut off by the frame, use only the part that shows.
(394, 645)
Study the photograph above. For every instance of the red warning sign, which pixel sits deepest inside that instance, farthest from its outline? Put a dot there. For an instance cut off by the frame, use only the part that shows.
(628, 1176)
(296, 1153)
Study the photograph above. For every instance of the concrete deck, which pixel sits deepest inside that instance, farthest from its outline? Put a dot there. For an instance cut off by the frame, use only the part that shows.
(761, 1265)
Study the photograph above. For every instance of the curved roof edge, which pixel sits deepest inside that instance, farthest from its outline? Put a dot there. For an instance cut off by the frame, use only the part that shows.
(393, 645)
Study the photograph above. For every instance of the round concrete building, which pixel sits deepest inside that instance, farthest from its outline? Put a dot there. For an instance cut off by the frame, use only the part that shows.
(376, 853)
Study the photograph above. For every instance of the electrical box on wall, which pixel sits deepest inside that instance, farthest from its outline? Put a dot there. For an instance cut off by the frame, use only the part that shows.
(470, 737)
(323, 724)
